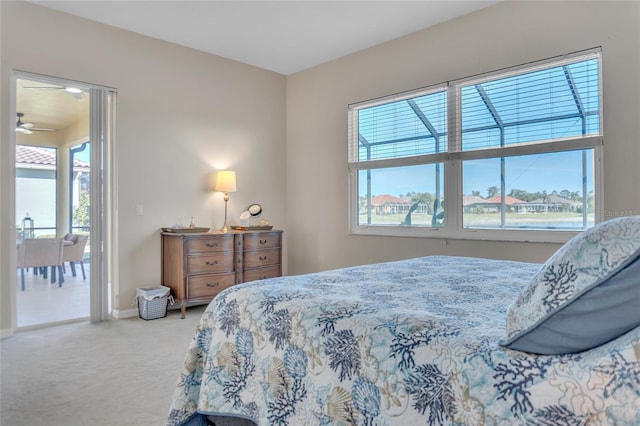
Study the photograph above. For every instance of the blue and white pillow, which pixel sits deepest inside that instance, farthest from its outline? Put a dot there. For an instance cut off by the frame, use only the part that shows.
(586, 294)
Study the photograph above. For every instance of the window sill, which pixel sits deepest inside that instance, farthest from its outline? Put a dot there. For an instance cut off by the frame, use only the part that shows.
(537, 236)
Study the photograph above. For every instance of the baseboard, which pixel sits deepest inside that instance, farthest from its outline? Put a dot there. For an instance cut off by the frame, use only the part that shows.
(125, 313)
(6, 332)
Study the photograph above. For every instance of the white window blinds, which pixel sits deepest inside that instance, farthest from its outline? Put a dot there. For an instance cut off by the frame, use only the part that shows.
(541, 104)
(404, 126)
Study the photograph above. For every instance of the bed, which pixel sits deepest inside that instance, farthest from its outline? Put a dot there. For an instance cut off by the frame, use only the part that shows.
(424, 341)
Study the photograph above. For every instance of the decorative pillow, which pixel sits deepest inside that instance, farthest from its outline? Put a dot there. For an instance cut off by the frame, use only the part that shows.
(586, 294)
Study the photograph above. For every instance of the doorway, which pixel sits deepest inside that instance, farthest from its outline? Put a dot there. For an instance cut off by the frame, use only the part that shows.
(59, 193)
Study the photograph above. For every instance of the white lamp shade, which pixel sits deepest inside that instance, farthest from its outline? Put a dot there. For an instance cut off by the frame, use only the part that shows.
(226, 181)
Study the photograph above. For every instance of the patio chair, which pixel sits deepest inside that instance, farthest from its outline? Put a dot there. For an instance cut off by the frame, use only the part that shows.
(75, 253)
(41, 252)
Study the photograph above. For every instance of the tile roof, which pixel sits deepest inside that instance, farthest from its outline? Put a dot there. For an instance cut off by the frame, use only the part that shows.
(554, 199)
(507, 200)
(380, 200)
(472, 199)
(33, 155)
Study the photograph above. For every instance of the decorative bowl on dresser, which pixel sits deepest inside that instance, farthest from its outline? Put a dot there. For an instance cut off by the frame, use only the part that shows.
(198, 266)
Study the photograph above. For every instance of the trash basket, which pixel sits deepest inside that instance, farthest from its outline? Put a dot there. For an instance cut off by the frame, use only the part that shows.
(152, 302)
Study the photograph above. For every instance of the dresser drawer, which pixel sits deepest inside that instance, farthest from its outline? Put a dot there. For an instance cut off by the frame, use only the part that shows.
(209, 244)
(261, 273)
(262, 240)
(256, 259)
(209, 285)
(204, 263)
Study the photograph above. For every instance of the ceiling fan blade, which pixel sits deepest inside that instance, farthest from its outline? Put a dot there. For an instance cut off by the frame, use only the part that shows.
(23, 130)
(28, 128)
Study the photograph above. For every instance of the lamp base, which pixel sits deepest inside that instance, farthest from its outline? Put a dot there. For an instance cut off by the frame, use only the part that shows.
(225, 228)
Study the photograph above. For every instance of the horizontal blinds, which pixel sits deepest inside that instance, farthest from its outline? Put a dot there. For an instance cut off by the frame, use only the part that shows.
(556, 103)
(405, 127)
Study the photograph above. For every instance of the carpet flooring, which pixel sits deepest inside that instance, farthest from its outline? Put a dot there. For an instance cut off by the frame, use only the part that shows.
(117, 372)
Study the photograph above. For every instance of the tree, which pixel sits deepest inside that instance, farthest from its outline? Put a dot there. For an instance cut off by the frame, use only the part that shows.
(520, 194)
(492, 191)
(81, 215)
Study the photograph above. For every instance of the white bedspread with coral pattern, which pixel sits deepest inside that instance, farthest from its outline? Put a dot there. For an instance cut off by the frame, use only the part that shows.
(412, 342)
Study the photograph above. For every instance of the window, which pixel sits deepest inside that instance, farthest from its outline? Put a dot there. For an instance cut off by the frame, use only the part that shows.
(36, 188)
(511, 155)
(79, 188)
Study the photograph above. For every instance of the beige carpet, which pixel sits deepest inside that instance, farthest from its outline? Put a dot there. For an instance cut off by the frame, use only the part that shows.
(118, 372)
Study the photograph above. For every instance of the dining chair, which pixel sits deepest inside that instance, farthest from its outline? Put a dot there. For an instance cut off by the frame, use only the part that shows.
(41, 252)
(75, 252)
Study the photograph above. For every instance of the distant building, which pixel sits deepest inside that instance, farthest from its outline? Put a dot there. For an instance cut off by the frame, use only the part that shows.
(36, 188)
(385, 204)
(473, 204)
(552, 203)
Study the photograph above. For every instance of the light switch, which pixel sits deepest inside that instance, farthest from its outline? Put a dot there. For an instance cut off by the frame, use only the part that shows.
(139, 210)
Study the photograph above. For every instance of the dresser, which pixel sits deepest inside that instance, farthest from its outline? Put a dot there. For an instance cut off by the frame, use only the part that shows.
(198, 266)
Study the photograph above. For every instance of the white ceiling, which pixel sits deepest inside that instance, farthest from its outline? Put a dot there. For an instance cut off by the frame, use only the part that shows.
(49, 106)
(281, 36)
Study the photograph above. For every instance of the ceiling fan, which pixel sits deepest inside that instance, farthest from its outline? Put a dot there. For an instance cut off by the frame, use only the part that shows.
(28, 128)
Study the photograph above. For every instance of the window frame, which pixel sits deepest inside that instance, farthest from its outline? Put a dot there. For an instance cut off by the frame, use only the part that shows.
(453, 159)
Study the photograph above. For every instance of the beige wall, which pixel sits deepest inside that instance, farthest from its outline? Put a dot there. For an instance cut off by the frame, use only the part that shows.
(503, 35)
(181, 114)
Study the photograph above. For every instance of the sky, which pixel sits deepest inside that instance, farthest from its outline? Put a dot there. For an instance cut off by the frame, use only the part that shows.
(84, 154)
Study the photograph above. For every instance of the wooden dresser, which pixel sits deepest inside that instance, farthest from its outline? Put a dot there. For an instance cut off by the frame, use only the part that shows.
(198, 266)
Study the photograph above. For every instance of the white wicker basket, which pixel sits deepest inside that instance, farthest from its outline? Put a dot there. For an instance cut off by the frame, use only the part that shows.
(152, 302)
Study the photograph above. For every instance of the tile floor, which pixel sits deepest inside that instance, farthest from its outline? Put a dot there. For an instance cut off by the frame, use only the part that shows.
(43, 302)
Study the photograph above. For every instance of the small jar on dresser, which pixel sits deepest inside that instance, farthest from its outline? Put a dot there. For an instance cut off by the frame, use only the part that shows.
(198, 266)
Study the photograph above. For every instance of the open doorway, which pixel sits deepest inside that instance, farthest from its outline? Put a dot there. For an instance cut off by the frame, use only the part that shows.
(60, 195)
(52, 175)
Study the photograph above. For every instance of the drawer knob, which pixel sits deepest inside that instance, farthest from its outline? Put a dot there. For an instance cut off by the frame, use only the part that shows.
(262, 258)
(213, 285)
(210, 263)
(213, 244)
(264, 241)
